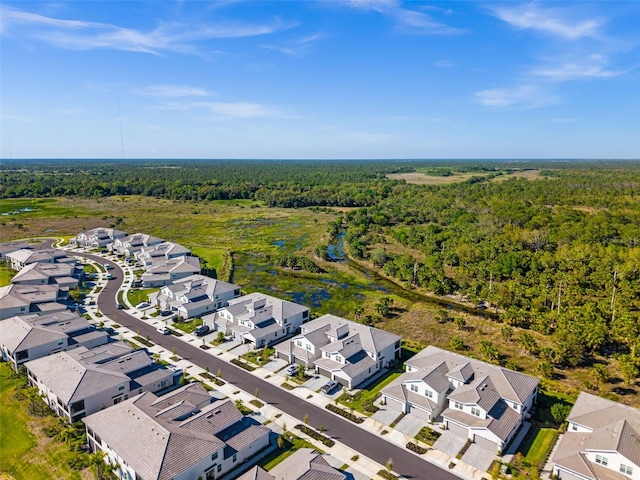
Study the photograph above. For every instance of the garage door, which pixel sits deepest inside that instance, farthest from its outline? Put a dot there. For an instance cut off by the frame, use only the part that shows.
(283, 355)
(299, 361)
(420, 413)
(342, 381)
(458, 429)
(486, 443)
(326, 373)
(395, 404)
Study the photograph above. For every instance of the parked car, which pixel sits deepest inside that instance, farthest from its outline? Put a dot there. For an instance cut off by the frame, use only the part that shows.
(202, 330)
(142, 305)
(329, 387)
(292, 370)
(110, 331)
(110, 277)
(107, 266)
(119, 306)
(163, 330)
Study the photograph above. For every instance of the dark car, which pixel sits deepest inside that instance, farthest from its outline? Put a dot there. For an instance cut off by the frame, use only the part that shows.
(119, 306)
(200, 331)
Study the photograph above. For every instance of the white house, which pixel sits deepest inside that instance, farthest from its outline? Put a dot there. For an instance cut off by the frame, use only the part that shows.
(602, 441)
(259, 319)
(99, 237)
(195, 296)
(304, 464)
(168, 271)
(19, 259)
(79, 382)
(132, 244)
(9, 247)
(154, 254)
(27, 337)
(65, 275)
(183, 435)
(23, 299)
(345, 351)
(482, 402)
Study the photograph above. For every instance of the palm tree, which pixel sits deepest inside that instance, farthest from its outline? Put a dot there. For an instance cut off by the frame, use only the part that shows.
(96, 459)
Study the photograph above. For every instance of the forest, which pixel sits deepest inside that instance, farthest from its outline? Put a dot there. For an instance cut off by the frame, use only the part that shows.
(548, 248)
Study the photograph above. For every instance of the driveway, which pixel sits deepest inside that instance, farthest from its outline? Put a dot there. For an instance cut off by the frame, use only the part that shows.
(386, 415)
(410, 425)
(478, 457)
(449, 443)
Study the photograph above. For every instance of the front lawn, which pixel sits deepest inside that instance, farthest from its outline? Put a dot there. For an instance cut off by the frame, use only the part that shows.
(259, 357)
(188, 326)
(536, 446)
(6, 274)
(290, 444)
(142, 295)
(427, 435)
(362, 401)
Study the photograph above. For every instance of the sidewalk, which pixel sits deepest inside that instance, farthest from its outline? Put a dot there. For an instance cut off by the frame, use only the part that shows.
(278, 419)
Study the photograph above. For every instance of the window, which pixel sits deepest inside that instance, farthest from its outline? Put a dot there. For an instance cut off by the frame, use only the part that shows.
(214, 456)
(475, 411)
(602, 460)
(235, 457)
(309, 346)
(60, 342)
(219, 468)
(428, 393)
(414, 387)
(299, 343)
(457, 405)
(626, 469)
(22, 355)
(121, 387)
(305, 314)
(574, 426)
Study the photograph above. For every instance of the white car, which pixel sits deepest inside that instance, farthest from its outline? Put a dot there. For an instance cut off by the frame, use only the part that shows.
(292, 370)
(142, 305)
(163, 330)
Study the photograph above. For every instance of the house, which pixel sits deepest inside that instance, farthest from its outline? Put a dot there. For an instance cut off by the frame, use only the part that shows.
(479, 401)
(195, 296)
(164, 273)
(128, 246)
(19, 259)
(23, 299)
(602, 442)
(79, 382)
(154, 254)
(186, 434)
(259, 319)
(99, 237)
(27, 337)
(304, 464)
(345, 351)
(65, 275)
(9, 247)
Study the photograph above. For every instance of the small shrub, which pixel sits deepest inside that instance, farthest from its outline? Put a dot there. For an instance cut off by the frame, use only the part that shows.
(416, 448)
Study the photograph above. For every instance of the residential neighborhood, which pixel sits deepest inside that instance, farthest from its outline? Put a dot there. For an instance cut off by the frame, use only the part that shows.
(115, 387)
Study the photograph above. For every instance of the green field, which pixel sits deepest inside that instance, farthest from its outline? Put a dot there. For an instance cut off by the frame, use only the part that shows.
(6, 274)
(25, 452)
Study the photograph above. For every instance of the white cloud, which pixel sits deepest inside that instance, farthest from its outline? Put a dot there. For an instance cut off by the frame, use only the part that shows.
(173, 91)
(83, 35)
(410, 21)
(523, 96)
(593, 66)
(549, 20)
(296, 48)
(228, 109)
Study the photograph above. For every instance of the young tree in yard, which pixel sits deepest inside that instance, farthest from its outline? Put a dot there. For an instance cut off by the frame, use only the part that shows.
(600, 373)
(97, 460)
(507, 332)
(559, 412)
(305, 419)
(460, 322)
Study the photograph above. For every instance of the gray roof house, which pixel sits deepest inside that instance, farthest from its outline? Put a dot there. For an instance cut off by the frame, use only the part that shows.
(99, 237)
(23, 299)
(9, 247)
(482, 402)
(195, 295)
(183, 435)
(66, 275)
(304, 464)
(345, 351)
(134, 243)
(155, 254)
(168, 271)
(27, 337)
(79, 382)
(19, 259)
(259, 319)
(602, 442)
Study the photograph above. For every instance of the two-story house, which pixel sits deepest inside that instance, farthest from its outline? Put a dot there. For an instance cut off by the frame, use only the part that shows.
(194, 296)
(345, 351)
(129, 246)
(304, 464)
(79, 382)
(19, 259)
(186, 434)
(259, 319)
(99, 237)
(9, 247)
(602, 442)
(27, 337)
(23, 299)
(479, 401)
(168, 271)
(65, 275)
(155, 254)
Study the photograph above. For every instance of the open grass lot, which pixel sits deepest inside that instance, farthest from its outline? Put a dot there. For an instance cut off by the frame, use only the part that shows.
(6, 274)
(188, 327)
(536, 447)
(424, 179)
(138, 296)
(25, 452)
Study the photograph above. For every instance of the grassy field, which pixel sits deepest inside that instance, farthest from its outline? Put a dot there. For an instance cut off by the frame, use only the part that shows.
(418, 178)
(25, 452)
(138, 296)
(6, 274)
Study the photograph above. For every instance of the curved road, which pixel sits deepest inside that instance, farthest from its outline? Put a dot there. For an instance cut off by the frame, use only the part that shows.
(370, 445)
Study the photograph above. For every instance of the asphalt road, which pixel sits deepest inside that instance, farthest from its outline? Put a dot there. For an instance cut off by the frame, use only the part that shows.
(369, 445)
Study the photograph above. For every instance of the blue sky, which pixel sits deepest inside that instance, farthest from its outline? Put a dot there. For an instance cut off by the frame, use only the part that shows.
(320, 79)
